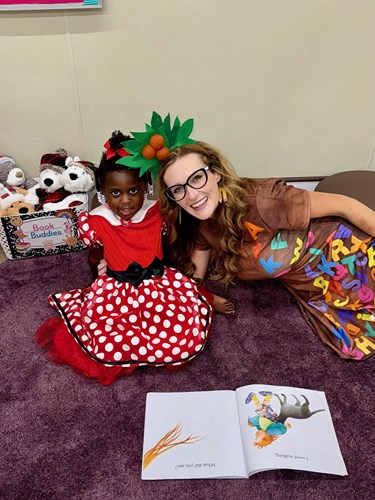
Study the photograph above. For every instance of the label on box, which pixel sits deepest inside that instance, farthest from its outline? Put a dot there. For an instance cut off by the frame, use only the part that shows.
(44, 233)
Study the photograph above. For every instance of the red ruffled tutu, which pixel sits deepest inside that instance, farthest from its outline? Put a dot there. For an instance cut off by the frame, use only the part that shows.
(54, 337)
(109, 329)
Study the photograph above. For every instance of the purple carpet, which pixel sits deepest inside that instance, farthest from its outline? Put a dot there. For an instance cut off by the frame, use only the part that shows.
(66, 437)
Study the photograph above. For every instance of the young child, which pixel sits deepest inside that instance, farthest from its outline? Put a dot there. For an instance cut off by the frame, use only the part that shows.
(139, 312)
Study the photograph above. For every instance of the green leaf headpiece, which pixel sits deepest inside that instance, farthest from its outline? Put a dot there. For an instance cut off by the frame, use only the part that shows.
(151, 147)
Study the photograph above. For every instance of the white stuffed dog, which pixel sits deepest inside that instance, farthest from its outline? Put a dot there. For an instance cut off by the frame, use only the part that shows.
(50, 187)
(79, 176)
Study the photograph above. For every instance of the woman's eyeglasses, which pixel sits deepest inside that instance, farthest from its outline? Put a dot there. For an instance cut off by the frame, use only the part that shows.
(196, 180)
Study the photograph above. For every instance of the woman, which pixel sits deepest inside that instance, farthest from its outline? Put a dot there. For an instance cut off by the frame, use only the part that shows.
(319, 245)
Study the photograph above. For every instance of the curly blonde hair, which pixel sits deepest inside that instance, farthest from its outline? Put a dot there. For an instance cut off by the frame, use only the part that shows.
(229, 217)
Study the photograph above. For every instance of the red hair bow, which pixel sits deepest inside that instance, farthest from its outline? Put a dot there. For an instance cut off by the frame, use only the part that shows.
(110, 153)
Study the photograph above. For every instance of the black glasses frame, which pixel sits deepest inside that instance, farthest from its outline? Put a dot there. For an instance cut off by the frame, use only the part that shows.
(167, 191)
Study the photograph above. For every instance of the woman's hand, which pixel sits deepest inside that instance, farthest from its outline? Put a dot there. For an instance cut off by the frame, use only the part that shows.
(102, 267)
(223, 306)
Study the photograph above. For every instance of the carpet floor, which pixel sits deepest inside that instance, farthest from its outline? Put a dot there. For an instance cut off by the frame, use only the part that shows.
(66, 437)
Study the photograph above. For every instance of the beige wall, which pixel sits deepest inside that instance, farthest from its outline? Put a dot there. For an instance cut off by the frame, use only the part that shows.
(283, 87)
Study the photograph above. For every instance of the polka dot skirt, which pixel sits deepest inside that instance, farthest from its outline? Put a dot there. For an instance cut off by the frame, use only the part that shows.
(163, 321)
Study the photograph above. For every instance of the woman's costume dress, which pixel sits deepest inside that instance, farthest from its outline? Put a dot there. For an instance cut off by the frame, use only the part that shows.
(327, 264)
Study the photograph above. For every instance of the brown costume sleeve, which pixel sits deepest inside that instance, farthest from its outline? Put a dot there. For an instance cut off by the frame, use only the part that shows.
(281, 206)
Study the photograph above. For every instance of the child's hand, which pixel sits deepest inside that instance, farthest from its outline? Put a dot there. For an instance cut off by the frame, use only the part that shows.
(102, 267)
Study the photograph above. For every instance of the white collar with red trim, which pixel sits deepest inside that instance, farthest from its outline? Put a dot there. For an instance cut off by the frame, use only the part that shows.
(105, 212)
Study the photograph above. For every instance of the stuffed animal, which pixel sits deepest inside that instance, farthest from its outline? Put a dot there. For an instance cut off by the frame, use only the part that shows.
(12, 175)
(50, 187)
(18, 208)
(8, 196)
(70, 201)
(79, 176)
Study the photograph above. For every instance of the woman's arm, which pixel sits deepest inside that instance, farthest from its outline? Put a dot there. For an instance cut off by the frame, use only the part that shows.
(326, 204)
(201, 260)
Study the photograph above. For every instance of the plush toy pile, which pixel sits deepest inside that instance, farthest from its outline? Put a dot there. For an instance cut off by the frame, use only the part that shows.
(64, 182)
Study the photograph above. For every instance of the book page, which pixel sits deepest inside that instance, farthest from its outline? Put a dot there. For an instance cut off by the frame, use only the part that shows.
(287, 428)
(192, 435)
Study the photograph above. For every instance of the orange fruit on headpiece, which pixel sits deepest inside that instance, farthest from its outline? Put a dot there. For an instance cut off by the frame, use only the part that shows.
(162, 153)
(157, 141)
(148, 152)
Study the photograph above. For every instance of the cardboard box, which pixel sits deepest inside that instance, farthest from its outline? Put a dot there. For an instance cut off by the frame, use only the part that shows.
(41, 233)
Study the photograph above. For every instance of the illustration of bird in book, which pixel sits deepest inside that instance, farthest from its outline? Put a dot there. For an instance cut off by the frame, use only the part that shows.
(271, 425)
(167, 442)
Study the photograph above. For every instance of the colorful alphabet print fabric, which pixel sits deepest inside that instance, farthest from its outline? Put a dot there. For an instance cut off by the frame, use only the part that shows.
(327, 264)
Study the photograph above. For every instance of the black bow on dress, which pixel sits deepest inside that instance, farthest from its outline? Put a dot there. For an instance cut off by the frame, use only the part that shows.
(135, 273)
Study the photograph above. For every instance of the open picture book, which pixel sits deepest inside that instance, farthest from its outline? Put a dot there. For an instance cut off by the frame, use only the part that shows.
(234, 434)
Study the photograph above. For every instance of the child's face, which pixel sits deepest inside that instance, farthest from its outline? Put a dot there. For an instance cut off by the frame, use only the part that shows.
(124, 192)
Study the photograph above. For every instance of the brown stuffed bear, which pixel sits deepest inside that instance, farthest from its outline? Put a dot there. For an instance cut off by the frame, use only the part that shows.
(17, 208)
